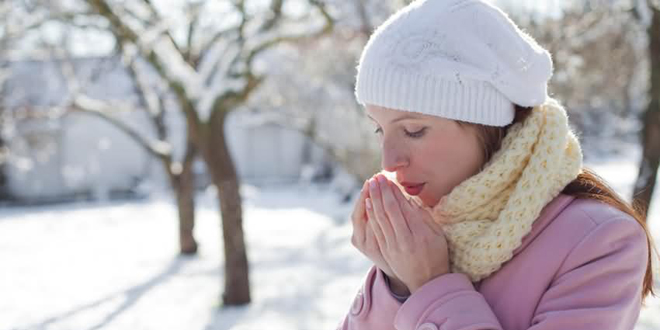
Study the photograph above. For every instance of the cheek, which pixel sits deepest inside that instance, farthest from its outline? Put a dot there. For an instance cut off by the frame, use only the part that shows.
(453, 161)
(472, 156)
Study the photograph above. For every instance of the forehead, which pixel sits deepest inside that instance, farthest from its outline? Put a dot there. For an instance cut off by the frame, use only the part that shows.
(385, 116)
(378, 113)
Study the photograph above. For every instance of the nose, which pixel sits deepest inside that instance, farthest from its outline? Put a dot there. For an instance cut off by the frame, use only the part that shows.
(393, 157)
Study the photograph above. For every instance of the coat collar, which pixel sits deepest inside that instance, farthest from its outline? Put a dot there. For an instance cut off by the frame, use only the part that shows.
(548, 213)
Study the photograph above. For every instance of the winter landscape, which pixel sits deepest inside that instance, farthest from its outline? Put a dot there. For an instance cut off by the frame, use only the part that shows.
(113, 265)
(126, 125)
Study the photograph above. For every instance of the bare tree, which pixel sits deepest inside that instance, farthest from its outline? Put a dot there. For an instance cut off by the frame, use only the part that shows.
(4, 11)
(650, 137)
(179, 173)
(584, 42)
(152, 98)
(211, 72)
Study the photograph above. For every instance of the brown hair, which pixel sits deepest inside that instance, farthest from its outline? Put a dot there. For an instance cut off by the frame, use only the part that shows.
(587, 185)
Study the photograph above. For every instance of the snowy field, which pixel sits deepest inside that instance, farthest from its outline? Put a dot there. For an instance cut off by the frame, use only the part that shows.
(114, 265)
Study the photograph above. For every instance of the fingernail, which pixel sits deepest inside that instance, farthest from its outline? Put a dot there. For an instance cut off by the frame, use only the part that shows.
(382, 179)
(368, 203)
(372, 183)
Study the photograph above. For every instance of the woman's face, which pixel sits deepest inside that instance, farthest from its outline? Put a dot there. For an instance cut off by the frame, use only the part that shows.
(430, 155)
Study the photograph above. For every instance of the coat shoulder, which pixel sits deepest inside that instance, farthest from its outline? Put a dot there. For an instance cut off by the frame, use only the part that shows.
(568, 221)
(595, 224)
(598, 212)
(587, 214)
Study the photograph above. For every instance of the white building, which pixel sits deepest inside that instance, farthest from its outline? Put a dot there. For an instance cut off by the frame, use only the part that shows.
(55, 157)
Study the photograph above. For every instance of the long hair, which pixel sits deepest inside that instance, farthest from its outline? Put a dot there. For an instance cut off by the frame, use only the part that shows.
(588, 185)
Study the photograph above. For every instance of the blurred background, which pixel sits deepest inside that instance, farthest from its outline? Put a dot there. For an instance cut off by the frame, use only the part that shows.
(173, 164)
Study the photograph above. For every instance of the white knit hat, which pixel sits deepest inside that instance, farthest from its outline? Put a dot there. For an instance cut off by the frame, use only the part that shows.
(457, 59)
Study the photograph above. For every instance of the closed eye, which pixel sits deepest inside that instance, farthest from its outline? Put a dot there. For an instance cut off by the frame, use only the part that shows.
(416, 135)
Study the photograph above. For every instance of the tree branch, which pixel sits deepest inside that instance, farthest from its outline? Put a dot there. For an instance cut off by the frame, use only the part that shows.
(270, 42)
(83, 104)
(176, 71)
(641, 10)
(364, 17)
(215, 38)
(159, 18)
(146, 94)
(100, 109)
(194, 10)
(276, 14)
(154, 102)
(125, 33)
(240, 6)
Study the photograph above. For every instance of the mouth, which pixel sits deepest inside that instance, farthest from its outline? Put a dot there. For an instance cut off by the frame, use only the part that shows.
(414, 189)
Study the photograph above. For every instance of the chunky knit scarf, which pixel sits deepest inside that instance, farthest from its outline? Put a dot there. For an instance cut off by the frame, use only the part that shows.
(486, 216)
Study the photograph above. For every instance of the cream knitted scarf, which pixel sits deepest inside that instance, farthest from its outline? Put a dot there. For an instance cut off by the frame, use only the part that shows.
(486, 216)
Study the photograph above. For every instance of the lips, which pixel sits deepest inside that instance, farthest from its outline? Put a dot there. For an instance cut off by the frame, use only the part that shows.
(413, 189)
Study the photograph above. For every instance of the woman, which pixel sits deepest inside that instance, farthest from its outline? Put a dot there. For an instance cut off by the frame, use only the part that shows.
(487, 219)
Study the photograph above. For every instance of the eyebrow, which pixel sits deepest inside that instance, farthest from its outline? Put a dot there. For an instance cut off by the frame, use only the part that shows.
(404, 117)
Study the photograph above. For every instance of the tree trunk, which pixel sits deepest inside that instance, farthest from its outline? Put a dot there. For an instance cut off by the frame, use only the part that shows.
(4, 190)
(185, 199)
(4, 182)
(223, 174)
(648, 169)
(183, 186)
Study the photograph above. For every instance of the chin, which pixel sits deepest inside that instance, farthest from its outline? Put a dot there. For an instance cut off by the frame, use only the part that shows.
(430, 201)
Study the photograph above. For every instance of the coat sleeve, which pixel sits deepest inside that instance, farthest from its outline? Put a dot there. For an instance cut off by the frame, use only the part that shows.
(598, 286)
(374, 306)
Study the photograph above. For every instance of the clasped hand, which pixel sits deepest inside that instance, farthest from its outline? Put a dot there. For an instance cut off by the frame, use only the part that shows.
(398, 235)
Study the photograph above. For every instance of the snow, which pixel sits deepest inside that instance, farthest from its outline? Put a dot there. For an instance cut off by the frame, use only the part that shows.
(114, 265)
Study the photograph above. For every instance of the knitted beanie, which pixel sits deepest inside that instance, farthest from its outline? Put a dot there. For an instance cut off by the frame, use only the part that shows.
(457, 59)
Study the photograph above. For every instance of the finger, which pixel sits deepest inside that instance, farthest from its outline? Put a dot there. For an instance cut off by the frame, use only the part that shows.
(379, 211)
(407, 207)
(371, 244)
(359, 217)
(374, 225)
(359, 210)
(370, 239)
(416, 203)
(411, 210)
(393, 210)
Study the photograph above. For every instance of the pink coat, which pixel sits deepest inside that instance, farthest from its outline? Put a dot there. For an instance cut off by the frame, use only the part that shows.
(581, 267)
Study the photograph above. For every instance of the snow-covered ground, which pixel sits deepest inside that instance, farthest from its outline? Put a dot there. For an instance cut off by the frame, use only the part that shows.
(114, 265)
